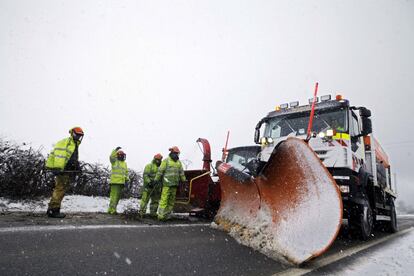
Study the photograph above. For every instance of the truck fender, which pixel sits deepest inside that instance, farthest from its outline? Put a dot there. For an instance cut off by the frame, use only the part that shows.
(365, 178)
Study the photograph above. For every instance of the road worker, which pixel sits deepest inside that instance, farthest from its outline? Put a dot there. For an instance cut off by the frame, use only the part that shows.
(63, 162)
(151, 191)
(119, 175)
(169, 174)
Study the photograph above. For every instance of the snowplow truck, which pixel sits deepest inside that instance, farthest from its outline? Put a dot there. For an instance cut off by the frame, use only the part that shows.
(288, 195)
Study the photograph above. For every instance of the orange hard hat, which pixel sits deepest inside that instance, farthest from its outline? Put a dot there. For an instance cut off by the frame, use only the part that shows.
(174, 149)
(158, 156)
(76, 130)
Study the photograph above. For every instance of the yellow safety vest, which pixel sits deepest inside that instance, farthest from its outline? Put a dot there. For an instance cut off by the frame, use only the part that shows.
(171, 172)
(60, 155)
(119, 173)
(150, 172)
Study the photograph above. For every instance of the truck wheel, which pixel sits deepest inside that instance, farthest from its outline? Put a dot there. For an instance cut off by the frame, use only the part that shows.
(392, 226)
(362, 222)
(367, 222)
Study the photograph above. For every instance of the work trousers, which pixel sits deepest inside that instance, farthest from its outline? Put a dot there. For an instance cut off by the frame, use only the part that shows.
(166, 202)
(153, 194)
(61, 185)
(114, 197)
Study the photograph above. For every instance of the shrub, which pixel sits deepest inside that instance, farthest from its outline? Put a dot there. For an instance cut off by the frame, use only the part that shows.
(23, 175)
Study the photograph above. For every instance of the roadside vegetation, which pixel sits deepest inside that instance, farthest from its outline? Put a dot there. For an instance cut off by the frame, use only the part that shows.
(23, 175)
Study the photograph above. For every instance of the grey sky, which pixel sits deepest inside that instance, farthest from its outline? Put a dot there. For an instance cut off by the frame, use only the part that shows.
(150, 74)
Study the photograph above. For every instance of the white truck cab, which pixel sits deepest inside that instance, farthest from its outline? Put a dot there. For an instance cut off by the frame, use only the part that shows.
(342, 138)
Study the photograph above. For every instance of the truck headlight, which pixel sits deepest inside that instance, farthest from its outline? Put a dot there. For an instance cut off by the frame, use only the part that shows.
(330, 133)
(266, 140)
(344, 189)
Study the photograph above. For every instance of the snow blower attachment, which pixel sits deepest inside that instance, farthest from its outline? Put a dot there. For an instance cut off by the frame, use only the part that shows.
(291, 210)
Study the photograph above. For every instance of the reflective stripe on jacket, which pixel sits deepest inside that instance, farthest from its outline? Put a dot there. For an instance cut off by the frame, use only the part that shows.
(150, 171)
(170, 172)
(119, 173)
(61, 153)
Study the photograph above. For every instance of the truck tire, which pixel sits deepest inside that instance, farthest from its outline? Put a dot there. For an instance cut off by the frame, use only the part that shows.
(362, 222)
(392, 226)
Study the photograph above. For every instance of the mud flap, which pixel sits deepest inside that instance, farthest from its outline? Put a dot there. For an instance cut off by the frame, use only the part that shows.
(292, 211)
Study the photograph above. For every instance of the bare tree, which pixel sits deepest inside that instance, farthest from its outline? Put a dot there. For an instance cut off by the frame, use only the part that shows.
(186, 163)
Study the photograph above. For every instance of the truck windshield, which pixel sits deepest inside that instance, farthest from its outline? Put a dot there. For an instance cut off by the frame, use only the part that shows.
(297, 123)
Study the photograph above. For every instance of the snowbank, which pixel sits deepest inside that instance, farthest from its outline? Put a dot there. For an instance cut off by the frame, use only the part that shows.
(397, 258)
(70, 204)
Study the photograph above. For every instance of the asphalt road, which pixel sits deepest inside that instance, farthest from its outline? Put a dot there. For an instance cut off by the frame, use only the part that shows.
(161, 249)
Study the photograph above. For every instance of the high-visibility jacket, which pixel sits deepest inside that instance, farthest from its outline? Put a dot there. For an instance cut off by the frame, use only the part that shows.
(150, 171)
(61, 154)
(170, 173)
(119, 173)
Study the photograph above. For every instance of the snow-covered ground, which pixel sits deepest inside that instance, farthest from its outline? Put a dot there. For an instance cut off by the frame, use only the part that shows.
(396, 258)
(70, 204)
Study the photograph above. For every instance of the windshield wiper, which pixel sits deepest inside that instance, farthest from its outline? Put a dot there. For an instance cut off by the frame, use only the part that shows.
(287, 123)
(285, 120)
(328, 126)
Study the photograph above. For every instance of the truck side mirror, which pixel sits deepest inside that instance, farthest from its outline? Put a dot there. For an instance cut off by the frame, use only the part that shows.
(366, 126)
(364, 112)
(257, 132)
(257, 136)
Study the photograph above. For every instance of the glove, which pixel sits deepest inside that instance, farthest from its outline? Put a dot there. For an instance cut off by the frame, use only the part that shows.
(158, 183)
(151, 185)
(118, 148)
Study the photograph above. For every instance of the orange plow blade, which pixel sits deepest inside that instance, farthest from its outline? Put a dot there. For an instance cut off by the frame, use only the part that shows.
(292, 211)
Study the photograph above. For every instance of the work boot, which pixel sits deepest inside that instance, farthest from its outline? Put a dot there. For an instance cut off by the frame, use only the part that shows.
(163, 217)
(112, 212)
(55, 213)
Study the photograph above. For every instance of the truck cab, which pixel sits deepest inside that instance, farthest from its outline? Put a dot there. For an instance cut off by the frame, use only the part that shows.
(342, 138)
